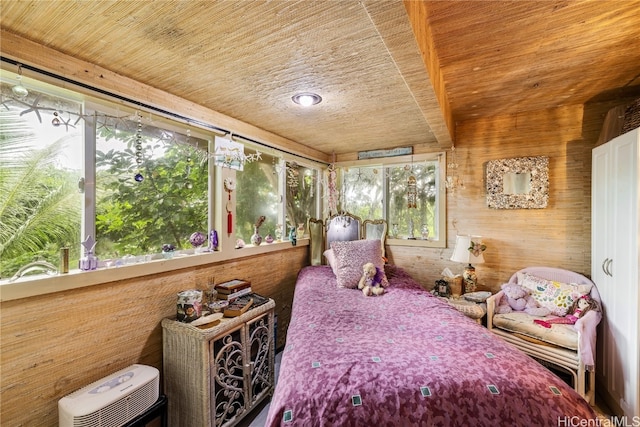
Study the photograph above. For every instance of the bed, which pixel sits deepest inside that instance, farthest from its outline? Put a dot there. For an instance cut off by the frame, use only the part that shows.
(405, 358)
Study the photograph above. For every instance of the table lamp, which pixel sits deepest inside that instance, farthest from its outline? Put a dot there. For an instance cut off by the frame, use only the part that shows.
(468, 250)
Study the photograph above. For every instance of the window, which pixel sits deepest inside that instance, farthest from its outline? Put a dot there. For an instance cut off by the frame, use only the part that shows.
(72, 166)
(166, 204)
(301, 194)
(381, 191)
(257, 195)
(421, 219)
(40, 165)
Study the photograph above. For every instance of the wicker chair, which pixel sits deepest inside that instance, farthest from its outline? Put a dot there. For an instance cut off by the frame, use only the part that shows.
(563, 346)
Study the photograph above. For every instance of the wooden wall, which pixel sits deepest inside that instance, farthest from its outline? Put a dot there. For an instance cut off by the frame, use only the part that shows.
(558, 236)
(52, 345)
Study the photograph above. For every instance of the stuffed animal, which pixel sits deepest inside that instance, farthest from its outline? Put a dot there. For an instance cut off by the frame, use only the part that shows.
(579, 308)
(517, 298)
(371, 280)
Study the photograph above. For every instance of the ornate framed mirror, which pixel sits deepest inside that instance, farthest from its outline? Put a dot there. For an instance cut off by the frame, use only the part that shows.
(518, 183)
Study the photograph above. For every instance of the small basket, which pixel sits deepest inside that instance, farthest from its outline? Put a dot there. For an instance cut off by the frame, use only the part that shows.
(631, 117)
(455, 286)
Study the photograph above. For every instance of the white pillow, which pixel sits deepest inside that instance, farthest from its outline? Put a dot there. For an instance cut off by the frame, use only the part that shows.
(331, 259)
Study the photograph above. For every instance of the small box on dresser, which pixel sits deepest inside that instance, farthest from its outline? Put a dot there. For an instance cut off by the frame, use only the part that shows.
(215, 376)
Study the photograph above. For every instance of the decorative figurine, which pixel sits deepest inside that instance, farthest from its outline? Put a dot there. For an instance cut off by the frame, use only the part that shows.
(292, 235)
(89, 261)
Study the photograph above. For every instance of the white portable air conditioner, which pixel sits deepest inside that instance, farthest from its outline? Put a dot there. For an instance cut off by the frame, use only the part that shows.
(113, 400)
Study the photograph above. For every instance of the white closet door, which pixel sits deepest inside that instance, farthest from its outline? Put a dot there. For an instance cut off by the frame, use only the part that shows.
(624, 268)
(615, 266)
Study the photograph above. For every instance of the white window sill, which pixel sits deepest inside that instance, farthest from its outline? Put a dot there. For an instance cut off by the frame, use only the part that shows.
(42, 284)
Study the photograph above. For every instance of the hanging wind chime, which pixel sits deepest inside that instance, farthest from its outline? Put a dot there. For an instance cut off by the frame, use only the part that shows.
(412, 193)
(187, 182)
(229, 186)
(412, 189)
(139, 177)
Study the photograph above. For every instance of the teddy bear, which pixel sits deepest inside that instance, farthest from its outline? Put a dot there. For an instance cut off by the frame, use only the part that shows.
(517, 298)
(371, 280)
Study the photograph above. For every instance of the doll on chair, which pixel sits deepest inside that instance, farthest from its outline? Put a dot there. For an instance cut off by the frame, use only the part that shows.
(579, 308)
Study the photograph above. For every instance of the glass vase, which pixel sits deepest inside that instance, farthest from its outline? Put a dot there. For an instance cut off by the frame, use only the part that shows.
(424, 232)
(256, 238)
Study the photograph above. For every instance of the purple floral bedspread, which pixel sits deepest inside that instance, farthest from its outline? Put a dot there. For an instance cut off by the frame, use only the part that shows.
(406, 359)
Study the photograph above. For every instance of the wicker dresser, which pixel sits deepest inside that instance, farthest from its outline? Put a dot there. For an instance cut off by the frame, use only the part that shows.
(215, 376)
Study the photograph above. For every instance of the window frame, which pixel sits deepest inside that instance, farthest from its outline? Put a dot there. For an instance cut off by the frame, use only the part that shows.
(441, 199)
(96, 100)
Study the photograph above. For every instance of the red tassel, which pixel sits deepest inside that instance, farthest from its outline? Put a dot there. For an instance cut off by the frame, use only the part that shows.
(229, 223)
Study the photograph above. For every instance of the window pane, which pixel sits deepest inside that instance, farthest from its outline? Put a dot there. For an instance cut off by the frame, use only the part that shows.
(302, 201)
(166, 206)
(412, 221)
(257, 195)
(40, 165)
(363, 191)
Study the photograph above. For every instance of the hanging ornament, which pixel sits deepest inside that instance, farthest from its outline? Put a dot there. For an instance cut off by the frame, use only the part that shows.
(453, 179)
(19, 90)
(229, 186)
(187, 182)
(332, 184)
(139, 177)
(412, 193)
(56, 120)
(292, 176)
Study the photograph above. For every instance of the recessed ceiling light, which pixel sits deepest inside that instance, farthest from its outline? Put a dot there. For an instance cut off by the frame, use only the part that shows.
(306, 99)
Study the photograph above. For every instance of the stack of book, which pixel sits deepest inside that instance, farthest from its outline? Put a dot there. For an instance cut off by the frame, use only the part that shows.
(244, 303)
(239, 306)
(233, 289)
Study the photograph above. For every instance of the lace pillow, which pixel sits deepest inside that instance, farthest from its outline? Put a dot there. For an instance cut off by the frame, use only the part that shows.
(351, 256)
(556, 296)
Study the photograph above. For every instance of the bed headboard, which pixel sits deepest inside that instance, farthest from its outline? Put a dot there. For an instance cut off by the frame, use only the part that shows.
(339, 228)
(342, 227)
(375, 229)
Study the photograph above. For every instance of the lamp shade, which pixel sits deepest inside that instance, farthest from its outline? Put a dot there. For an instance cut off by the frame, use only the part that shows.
(461, 252)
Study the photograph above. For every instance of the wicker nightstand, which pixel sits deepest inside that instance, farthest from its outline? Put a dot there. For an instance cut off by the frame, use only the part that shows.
(474, 310)
(216, 376)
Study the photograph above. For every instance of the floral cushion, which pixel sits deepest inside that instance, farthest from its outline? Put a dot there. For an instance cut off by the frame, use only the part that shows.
(556, 296)
(522, 323)
(351, 256)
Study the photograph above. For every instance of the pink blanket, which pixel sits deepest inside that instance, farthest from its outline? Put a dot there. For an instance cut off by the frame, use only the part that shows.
(405, 358)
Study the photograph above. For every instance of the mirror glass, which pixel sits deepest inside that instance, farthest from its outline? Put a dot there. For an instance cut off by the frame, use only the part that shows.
(516, 183)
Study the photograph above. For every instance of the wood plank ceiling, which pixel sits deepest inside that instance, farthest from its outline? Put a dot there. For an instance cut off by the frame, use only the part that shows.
(381, 87)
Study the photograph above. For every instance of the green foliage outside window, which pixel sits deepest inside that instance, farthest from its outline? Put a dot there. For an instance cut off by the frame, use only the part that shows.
(40, 207)
(301, 184)
(411, 220)
(171, 203)
(257, 194)
(363, 190)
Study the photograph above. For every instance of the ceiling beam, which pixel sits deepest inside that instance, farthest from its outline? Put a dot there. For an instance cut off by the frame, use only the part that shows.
(419, 20)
